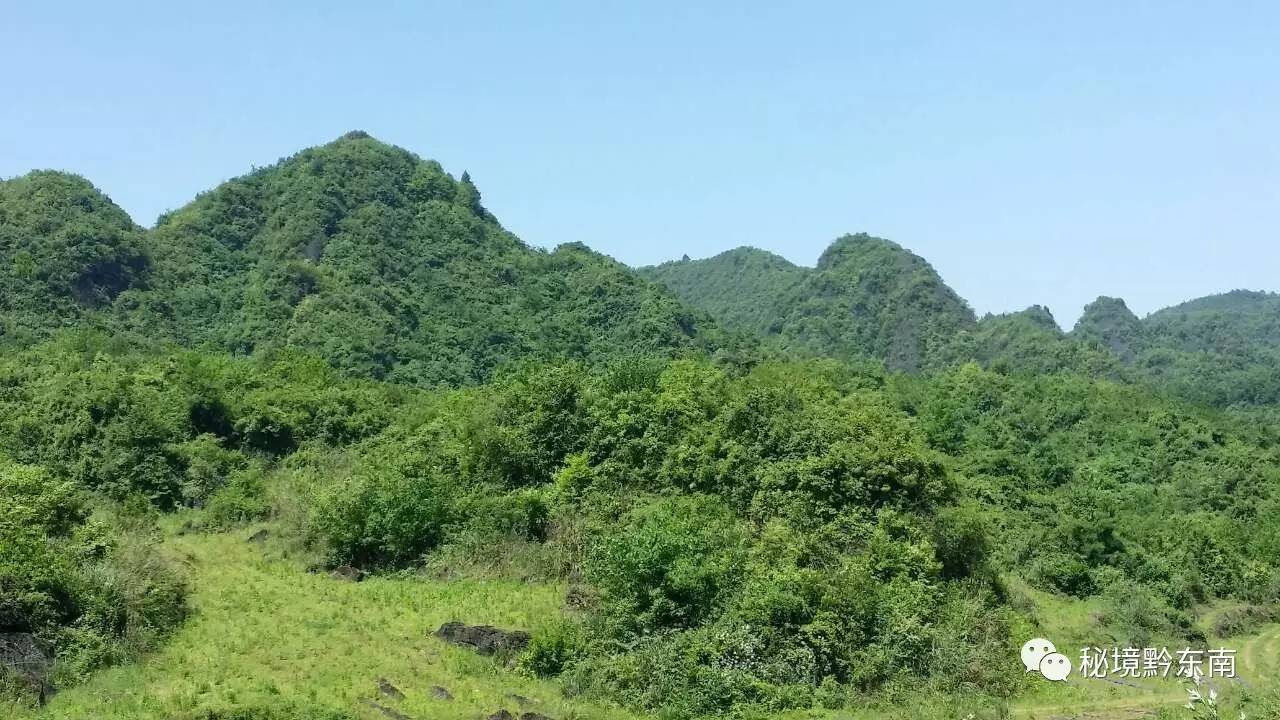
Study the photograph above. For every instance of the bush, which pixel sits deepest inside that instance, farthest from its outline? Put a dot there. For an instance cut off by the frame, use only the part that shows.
(381, 517)
(96, 589)
(1065, 574)
(671, 565)
(554, 648)
(241, 500)
(208, 465)
(1243, 620)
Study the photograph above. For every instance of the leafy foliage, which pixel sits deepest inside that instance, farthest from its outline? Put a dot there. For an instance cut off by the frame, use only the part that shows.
(65, 249)
(867, 297)
(348, 343)
(91, 589)
(752, 538)
(385, 266)
(721, 286)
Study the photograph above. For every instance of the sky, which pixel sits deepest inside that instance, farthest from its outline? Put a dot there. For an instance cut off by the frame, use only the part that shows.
(1033, 152)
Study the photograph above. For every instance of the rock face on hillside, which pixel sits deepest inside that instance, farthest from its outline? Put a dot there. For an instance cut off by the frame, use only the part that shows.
(484, 639)
(22, 657)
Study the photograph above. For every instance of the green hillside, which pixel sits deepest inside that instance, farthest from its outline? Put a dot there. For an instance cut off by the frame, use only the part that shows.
(1222, 349)
(65, 251)
(1110, 323)
(870, 299)
(387, 267)
(740, 288)
(252, 458)
(867, 298)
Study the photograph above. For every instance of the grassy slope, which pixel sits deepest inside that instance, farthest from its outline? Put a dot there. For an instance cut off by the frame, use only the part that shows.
(1069, 623)
(264, 630)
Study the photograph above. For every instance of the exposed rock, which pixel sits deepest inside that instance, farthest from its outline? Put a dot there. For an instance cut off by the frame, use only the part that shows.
(484, 639)
(391, 691)
(348, 573)
(503, 714)
(533, 716)
(521, 700)
(391, 713)
(260, 536)
(22, 656)
(440, 693)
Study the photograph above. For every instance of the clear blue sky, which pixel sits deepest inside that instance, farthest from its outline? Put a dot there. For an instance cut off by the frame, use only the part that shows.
(1041, 154)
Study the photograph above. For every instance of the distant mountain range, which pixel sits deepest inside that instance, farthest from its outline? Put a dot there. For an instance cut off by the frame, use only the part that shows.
(868, 296)
(388, 267)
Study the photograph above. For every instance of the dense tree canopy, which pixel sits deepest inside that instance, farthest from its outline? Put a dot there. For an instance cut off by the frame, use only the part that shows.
(65, 249)
(867, 297)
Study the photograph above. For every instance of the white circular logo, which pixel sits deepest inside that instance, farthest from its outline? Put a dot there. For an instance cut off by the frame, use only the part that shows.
(1034, 650)
(1055, 666)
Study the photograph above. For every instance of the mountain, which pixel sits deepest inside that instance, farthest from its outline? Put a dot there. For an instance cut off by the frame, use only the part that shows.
(740, 287)
(1219, 350)
(867, 297)
(683, 537)
(65, 251)
(386, 266)
(1110, 323)
(1231, 323)
(870, 298)
(1030, 342)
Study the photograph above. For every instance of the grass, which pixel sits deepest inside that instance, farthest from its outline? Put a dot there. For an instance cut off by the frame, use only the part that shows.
(264, 632)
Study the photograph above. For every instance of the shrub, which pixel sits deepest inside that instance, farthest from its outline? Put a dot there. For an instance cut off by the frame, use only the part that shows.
(242, 499)
(671, 565)
(553, 648)
(96, 589)
(1243, 620)
(381, 517)
(208, 464)
(1064, 574)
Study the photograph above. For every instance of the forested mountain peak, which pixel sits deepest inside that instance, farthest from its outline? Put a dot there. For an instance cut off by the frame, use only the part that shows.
(1109, 322)
(1237, 302)
(1039, 316)
(387, 266)
(719, 284)
(1105, 308)
(746, 255)
(1236, 321)
(867, 297)
(861, 247)
(64, 248)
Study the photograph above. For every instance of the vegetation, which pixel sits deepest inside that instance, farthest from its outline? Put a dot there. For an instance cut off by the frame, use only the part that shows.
(867, 297)
(88, 587)
(857, 498)
(65, 249)
(382, 264)
(870, 299)
(719, 285)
